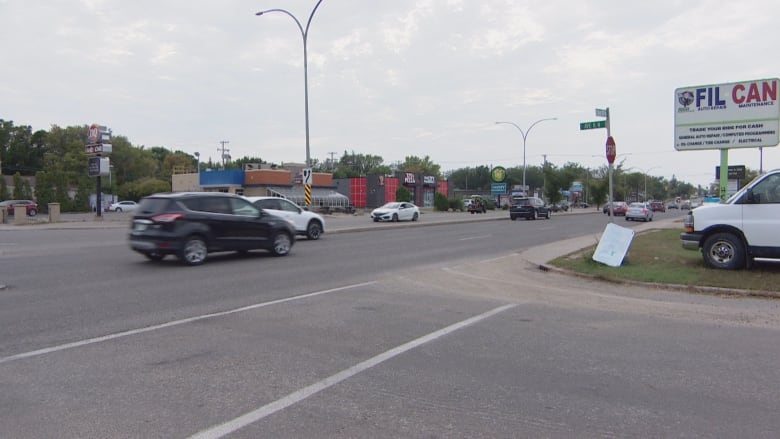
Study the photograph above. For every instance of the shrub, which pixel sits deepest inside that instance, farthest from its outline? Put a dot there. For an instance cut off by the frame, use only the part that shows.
(440, 202)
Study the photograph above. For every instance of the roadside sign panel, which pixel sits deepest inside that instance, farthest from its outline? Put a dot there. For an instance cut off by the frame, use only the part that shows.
(613, 245)
(724, 116)
(497, 188)
(593, 125)
(600, 112)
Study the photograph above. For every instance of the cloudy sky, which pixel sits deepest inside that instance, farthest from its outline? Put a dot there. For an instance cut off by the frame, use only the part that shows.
(387, 77)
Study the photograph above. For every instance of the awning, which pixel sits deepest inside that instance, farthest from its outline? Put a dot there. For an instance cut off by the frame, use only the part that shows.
(321, 197)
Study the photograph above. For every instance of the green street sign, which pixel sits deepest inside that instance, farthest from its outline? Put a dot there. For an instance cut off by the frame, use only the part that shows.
(593, 125)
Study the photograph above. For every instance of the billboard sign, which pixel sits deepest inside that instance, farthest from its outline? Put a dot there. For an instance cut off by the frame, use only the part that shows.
(724, 116)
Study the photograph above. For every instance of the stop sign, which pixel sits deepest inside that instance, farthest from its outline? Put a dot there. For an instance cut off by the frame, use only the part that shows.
(611, 150)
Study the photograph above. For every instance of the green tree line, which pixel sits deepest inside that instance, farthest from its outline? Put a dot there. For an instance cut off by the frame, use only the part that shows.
(57, 159)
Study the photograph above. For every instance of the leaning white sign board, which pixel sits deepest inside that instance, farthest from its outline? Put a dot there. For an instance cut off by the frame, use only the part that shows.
(724, 116)
(613, 245)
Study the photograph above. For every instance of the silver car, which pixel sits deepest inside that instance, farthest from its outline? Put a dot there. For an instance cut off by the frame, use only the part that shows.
(639, 211)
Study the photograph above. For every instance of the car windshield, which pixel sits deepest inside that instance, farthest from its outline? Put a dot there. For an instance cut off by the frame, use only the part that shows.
(393, 205)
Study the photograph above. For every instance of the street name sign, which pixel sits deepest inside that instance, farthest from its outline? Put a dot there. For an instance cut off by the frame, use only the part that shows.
(593, 125)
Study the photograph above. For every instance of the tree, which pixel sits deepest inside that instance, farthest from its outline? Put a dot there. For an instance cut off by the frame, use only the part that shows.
(403, 194)
(358, 165)
(421, 166)
(4, 195)
(44, 190)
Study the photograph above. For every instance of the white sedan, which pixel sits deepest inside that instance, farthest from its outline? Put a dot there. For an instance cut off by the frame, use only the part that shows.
(123, 206)
(308, 224)
(396, 211)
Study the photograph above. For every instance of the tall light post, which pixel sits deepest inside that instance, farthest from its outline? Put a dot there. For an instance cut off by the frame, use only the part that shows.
(525, 135)
(305, 35)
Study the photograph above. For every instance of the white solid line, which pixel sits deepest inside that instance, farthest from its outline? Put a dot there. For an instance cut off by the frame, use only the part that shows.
(475, 237)
(108, 337)
(299, 395)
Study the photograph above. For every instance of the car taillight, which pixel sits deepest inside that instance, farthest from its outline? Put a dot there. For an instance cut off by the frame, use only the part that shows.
(167, 217)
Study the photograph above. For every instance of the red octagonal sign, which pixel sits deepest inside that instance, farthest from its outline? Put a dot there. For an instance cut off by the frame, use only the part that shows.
(611, 150)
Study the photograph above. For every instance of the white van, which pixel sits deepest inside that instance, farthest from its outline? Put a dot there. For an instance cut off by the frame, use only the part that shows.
(733, 233)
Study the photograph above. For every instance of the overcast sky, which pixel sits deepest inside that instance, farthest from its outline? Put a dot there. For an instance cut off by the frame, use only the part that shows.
(387, 77)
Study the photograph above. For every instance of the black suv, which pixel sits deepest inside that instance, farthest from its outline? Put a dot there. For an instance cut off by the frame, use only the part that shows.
(528, 208)
(190, 225)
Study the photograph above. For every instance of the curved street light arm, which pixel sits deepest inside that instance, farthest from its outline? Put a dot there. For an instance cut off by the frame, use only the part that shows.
(525, 135)
(305, 36)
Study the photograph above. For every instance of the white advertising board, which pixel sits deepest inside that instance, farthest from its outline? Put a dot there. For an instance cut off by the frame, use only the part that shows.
(613, 245)
(724, 116)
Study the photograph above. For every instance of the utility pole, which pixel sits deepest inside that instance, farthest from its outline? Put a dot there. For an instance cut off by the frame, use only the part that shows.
(544, 177)
(224, 151)
(331, 160)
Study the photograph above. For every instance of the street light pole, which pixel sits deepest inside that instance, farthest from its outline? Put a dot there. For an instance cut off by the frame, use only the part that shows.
(305, 35)
(647, 172)
(525, 135)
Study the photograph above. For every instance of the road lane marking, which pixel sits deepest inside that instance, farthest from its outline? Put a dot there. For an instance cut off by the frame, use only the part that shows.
(108, 337)
(233, 425)
(475, 237)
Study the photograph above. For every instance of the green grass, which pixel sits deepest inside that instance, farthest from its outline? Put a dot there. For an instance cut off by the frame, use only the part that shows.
(657, 256)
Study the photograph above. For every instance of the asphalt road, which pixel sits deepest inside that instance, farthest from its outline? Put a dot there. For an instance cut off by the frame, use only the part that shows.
(417, 331)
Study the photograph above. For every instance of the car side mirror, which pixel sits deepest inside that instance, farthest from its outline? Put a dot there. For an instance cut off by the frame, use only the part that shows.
(751, 197)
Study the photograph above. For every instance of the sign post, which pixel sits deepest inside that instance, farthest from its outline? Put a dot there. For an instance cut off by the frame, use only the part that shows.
(611, 150)
(611, 154)
(98, 144)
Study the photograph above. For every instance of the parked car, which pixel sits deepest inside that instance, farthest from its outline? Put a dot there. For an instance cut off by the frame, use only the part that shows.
(658, 206)
(396, 211)
(190, 225)
(672, 205)
(307, 223)
(29, 205)
(639, 211)
(528, 208)
(123, 206)
(620, 208)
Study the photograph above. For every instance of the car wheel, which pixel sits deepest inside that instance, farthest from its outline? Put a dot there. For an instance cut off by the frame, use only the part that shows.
(512, 217)
(415, 216)
(118, 209)
(536, 215)
(314, 230)
(376, 220)
(548, 215)
(282, 244)
(627, 218)
(154, 256)
(32, 212)
(194, 251)
(724, 250)
(395, 217)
